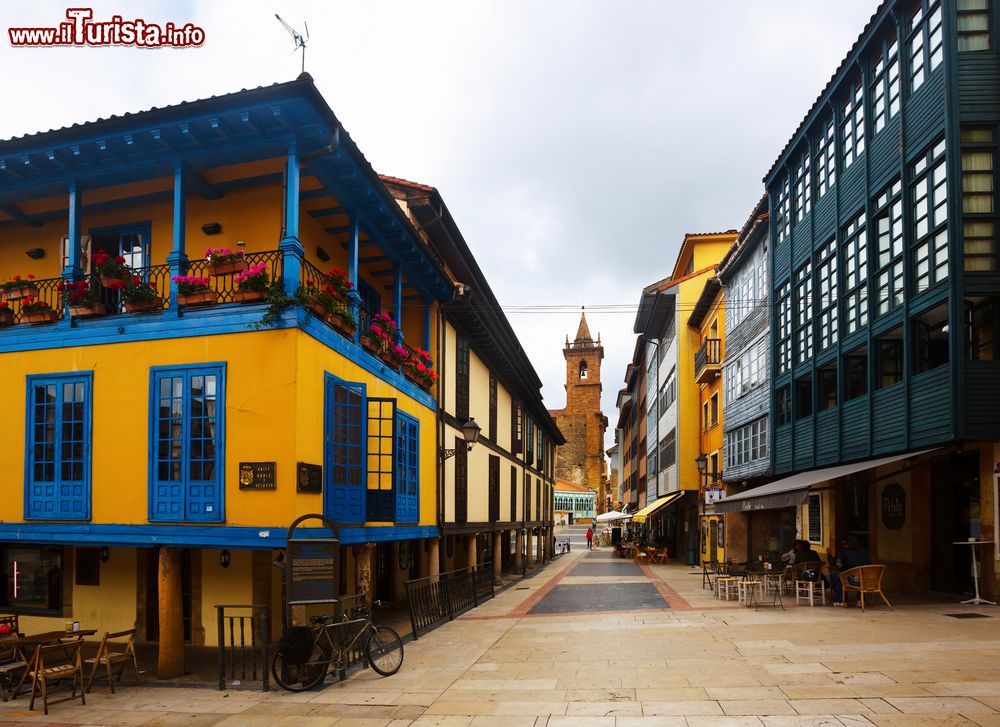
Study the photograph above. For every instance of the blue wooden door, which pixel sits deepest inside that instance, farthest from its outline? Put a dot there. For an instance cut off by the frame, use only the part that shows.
(58, 462)
(344, 451)
(187, 441)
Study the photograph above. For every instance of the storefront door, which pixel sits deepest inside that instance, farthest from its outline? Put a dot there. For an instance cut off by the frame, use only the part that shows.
(955, 517)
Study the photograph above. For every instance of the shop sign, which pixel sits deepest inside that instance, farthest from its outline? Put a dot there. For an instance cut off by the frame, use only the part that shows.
(712, 495)
(313, 570)
(309, 477)
(893, 506)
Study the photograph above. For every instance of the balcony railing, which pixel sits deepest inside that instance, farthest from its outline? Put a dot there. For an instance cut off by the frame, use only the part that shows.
(45, 291)
(225, 285)
(708, 360)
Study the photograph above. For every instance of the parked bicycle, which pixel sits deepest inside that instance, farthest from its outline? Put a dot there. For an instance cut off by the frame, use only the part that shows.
(307, 654)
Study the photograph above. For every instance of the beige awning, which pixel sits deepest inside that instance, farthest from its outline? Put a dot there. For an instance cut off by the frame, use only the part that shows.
(794, 490)
(640, 517)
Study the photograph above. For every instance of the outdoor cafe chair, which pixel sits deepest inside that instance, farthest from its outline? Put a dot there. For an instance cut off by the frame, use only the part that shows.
(869, 580)
(709, 573)
(110, 655)
(12, 665)
(661, 556)
(52, 664)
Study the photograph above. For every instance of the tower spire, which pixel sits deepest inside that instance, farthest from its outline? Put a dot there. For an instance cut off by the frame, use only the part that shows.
(583, 332)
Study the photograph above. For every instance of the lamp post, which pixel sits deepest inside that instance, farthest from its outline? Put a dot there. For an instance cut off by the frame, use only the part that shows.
(702, 462)
(470, 431)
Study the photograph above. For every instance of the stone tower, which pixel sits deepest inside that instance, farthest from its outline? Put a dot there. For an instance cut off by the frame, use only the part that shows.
(581, 459)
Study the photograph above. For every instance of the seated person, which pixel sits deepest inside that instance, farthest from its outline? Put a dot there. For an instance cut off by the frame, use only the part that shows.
(852, 554)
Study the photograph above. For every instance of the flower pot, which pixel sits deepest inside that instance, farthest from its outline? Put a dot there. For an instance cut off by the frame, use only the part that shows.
(145, 304)
(391, 359)
(248, 296)
(88, 311)
(199, 297)
(340, 296)
(343, 325)
(6, 316)
(39, 316)
(415, 377)
(227, 268)
(22, 291)
(317, 309)
(371, 347)
(106, 281)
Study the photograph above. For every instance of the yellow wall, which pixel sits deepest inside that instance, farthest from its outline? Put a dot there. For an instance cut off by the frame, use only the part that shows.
(273, 379)
(222, 586)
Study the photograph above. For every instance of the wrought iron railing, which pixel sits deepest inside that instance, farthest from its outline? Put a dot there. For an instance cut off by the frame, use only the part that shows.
(438, 598)
(45, 291)
(709, 353)
(225, 285)
(243, 638)
(157, 276)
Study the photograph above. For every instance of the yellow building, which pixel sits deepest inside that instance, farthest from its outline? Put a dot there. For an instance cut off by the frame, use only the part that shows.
(708, 321)
(675, 437)
(176, 422)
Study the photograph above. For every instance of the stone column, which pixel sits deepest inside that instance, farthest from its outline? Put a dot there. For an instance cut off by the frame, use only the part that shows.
(170, 655)
(519, 549)
(472, 546)
(363, 556)
(541, 546)
(434, 559)
(528, 557)
(497, 558)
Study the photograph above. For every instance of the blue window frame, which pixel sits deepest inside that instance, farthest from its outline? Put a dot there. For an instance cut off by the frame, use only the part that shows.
(407, 468)
(187, 443)
(57, 457)
(344, 437)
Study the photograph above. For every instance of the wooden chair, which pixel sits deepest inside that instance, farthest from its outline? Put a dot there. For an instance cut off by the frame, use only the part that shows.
(111, 655)
(709, 572)
(12, 665)
(869, 580)
(808, 591)
(52, 664)
(661, 556)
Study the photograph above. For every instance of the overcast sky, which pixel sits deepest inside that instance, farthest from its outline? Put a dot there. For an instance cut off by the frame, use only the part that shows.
(574, 142)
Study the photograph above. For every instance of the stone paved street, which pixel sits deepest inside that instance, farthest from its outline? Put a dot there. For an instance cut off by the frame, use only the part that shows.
(660, 651)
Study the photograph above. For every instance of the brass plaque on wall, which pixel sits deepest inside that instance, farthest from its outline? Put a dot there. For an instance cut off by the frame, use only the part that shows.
(309, 477)
(258, 475)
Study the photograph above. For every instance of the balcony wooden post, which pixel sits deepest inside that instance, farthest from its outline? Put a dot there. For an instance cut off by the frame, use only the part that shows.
(354, 296)
(397, 297)
(177, 258)
(427, 325)
(170, 655)
(290, 245)
(72, 269)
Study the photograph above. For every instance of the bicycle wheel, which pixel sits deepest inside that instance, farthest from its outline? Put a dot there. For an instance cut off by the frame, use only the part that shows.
(384, 649)
(300, 663)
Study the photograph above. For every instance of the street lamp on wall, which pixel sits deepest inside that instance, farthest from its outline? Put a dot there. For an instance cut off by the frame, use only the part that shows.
(470, 431)
(702, 462)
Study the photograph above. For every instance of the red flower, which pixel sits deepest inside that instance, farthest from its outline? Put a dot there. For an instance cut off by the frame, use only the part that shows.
(61, 287)
(16, 277)
(136, 280)
(120, 260)
(116, 284)
(30, 276)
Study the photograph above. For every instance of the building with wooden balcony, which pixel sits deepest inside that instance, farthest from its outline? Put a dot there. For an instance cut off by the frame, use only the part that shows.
(667, 349)
(884, 292)
(495, 501)
(216, 318)
(746, 426)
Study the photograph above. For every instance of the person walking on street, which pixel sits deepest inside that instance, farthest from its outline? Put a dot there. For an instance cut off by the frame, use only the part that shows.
(590, 538)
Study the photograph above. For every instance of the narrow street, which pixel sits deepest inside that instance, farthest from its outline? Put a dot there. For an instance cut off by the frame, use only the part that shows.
(592, 640)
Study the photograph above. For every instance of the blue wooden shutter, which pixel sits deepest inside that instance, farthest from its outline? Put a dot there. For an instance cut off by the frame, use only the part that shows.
(344, 451)
(407, 469)
(58, 440)
(167, 496)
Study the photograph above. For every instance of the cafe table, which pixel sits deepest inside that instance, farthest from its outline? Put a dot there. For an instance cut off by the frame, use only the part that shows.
(33, 641)
(973, 545)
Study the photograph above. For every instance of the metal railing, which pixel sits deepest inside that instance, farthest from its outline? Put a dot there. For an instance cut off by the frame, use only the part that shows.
(46, 291)
(438, 598)
(710, 353)
(243, 661)
(225, 285)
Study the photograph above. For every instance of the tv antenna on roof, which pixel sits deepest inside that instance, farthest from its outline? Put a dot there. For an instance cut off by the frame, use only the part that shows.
(300, 41)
